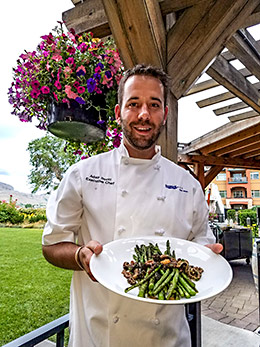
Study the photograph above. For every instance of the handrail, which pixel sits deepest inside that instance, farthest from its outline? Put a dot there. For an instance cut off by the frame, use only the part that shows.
(38, 335)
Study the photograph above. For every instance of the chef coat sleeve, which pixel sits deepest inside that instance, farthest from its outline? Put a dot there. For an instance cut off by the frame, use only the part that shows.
(64, 210)
(201, 232)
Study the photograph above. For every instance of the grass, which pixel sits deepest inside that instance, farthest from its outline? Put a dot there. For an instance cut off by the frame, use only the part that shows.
(33, 292)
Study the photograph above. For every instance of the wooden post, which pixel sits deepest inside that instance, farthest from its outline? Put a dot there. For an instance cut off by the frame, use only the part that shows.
(168, 137)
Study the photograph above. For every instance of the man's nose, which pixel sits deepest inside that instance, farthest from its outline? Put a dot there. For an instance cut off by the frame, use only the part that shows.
(144, 113)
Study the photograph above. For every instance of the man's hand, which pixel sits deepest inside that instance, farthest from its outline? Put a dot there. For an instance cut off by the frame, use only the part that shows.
(215, 247)
(86, 252)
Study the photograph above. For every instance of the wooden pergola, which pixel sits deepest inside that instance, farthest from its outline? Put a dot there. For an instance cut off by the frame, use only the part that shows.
(187, 38)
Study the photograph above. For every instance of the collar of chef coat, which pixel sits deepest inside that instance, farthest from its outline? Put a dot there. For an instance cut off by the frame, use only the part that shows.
(125, 156)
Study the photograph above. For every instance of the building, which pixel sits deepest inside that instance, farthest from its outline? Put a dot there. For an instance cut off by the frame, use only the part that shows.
(239, 188)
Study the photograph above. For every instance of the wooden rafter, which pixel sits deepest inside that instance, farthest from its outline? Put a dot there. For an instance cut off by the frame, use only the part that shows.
(243, 116)
(219, 161)
(228, 76)
(237, 146)
(211, 174)
(200, 27)
(244, 47)
(230, 108)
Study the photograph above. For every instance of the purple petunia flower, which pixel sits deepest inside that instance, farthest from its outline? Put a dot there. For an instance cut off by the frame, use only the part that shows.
(91, 85)
(108, 74)
(97, 76)
(117, 141)
(80, 100)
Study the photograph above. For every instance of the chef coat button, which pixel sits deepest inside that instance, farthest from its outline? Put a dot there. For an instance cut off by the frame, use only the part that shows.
(159, 232)
(124, 192)
(115, 319)
(126, 161)
(157, 167)
(156, 321)
(121, 230)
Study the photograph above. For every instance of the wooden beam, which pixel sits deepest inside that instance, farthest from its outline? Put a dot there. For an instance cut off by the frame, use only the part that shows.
(211, 174)
(219, 161)
(138, 29)
(252, 154)
(225, 74)
(215, 99)
(244, 47)
(253, 19)
(231, 139)
(88, 16)
(216, 139)
(243, 116)
(202, 26)
(199, 87)
(242, 151)
(168, 6)
(236, 146)
(220, 97)
(230, 108)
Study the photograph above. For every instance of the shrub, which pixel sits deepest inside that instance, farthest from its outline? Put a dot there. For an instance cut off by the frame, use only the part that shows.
(244, 214)
(33, 215)
(9, 212)
(231, 214)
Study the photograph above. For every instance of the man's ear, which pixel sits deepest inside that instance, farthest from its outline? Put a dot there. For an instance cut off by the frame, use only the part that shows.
(117, 114)
(165, 114)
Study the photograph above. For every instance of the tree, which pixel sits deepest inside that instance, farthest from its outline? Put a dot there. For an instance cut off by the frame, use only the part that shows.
(50, 158)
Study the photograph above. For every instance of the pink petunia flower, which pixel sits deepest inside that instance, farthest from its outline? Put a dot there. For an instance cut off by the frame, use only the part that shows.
(45, 90)
(70, 93)
(70, 61)
(56, 57)
(57, 84)
(80, 89)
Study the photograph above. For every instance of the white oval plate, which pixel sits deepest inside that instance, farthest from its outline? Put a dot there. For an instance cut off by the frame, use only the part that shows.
(107, 267)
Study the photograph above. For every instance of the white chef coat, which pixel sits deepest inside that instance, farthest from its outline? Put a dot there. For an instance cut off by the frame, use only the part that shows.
(112, 196)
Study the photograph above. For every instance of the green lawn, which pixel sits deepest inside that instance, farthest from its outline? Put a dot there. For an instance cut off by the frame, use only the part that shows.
(32, 292)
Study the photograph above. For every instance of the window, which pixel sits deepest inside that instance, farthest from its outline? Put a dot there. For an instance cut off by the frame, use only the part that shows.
(255, 193)
(223, 193)
(221, 177)
(254, 175)
(238, 194)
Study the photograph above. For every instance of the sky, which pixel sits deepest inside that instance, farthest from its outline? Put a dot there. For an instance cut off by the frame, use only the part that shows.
(22, 25)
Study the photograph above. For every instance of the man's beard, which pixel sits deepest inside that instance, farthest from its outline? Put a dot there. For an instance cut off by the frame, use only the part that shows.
(137, 141)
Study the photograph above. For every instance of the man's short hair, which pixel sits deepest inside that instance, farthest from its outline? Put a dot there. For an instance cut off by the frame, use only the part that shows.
(144, 70)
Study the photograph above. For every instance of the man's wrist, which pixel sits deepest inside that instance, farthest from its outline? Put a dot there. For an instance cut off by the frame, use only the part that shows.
(77, 258)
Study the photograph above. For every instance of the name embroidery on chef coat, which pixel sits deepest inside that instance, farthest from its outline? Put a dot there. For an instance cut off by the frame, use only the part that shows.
(181, 189)
(100, 179)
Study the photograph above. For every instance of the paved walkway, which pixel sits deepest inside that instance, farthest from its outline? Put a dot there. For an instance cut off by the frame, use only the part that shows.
(238, 304)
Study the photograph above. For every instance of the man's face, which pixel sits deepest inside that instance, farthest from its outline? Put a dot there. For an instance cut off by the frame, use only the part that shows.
(142, 114)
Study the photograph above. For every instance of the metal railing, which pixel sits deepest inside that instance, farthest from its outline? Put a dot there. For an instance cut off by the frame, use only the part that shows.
(193, 314)
(55, 327)
(237, 180)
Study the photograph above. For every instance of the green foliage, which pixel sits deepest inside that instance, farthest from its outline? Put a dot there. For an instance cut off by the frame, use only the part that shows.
(33, 292)
(34, 215)
(244, 214)
(231, 214)
(9, 212)
(50, 160)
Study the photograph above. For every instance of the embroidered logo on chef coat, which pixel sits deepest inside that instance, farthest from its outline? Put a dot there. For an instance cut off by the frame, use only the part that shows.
(181, 189)
(100, 179)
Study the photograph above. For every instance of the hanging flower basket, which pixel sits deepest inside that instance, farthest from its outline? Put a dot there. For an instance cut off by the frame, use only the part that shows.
(77, 123)
(69, 85)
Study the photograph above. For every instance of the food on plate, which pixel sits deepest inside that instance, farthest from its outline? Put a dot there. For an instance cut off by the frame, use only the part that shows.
(161, 275)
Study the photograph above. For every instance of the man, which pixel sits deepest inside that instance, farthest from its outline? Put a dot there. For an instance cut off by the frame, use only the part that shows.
(130, 191)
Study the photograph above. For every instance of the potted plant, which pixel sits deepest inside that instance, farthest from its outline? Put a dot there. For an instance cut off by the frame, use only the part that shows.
(69, 86)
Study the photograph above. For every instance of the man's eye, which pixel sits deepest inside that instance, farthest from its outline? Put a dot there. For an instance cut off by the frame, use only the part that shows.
(133, 104)
(155, 105)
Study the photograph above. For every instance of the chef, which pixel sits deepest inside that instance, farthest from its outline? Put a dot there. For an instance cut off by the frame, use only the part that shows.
(131, 191)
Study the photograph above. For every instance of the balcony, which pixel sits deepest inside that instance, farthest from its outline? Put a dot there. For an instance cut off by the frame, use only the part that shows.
(237, 180)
